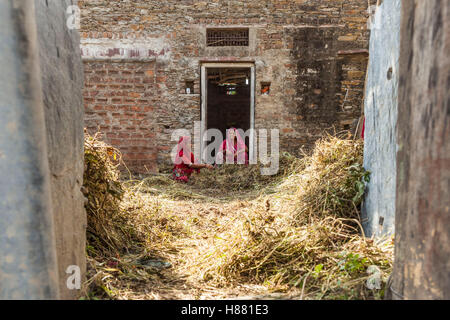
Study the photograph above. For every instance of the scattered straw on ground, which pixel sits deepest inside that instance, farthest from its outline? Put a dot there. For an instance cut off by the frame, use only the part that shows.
(233, 233)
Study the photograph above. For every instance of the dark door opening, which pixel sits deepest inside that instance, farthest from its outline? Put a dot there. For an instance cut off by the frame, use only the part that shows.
(228, 99)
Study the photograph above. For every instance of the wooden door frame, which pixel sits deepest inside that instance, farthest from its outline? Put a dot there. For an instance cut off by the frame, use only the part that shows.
(204, 99)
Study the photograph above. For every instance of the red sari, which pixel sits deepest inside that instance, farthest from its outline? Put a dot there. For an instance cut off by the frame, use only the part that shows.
(363, 128)
(184, 158)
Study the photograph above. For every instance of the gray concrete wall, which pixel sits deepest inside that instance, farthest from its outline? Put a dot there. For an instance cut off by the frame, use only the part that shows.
(62, 85)
(28, 266)
(380, 110)
(42, 218)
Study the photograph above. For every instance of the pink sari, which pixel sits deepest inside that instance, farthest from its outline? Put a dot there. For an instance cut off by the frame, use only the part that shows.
(233, 152)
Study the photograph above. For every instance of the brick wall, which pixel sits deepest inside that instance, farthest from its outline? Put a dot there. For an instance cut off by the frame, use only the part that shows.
(120, 103)
(302, 47)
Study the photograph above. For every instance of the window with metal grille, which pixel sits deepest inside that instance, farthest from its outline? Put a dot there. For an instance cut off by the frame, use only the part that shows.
(227, 38)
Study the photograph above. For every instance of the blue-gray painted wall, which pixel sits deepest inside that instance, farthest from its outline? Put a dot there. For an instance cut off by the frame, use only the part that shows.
(380, 109)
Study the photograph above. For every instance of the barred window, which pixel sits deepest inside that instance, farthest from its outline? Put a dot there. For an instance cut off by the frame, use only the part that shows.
(227, 37)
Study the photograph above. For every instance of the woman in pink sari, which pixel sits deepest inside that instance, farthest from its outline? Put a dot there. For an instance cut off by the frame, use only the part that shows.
(233, 149)
(185, 162)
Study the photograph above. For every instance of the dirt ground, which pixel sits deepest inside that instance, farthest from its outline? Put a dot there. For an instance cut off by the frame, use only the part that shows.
(201, 216)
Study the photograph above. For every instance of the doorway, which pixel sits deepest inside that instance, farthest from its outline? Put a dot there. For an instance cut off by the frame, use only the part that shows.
(228, 98)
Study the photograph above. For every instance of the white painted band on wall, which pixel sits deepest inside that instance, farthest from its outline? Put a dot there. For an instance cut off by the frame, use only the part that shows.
(125, 49)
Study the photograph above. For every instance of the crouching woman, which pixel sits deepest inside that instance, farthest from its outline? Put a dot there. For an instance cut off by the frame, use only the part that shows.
(185, 163)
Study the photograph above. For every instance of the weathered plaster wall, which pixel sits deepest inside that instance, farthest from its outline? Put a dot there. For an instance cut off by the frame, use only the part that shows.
(380, 110)
(422, 236)
(62, 88)
(301, 47)
(28, 266)
(41, 151)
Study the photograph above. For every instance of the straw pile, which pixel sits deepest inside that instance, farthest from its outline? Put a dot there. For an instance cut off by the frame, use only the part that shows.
(307, 234)
(103, 190)
(297, 232)
(332, 182)
(243, 178)
(124, 232)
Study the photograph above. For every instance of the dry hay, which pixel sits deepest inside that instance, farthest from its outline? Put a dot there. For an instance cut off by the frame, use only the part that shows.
(118, 240)
(104, 191)
(297, 232)
(306, 236)
(229, 177)
(224, 182)
(332, 181)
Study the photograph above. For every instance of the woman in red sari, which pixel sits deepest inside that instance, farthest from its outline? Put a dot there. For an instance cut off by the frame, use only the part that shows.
(233, 149)
(185, 161)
